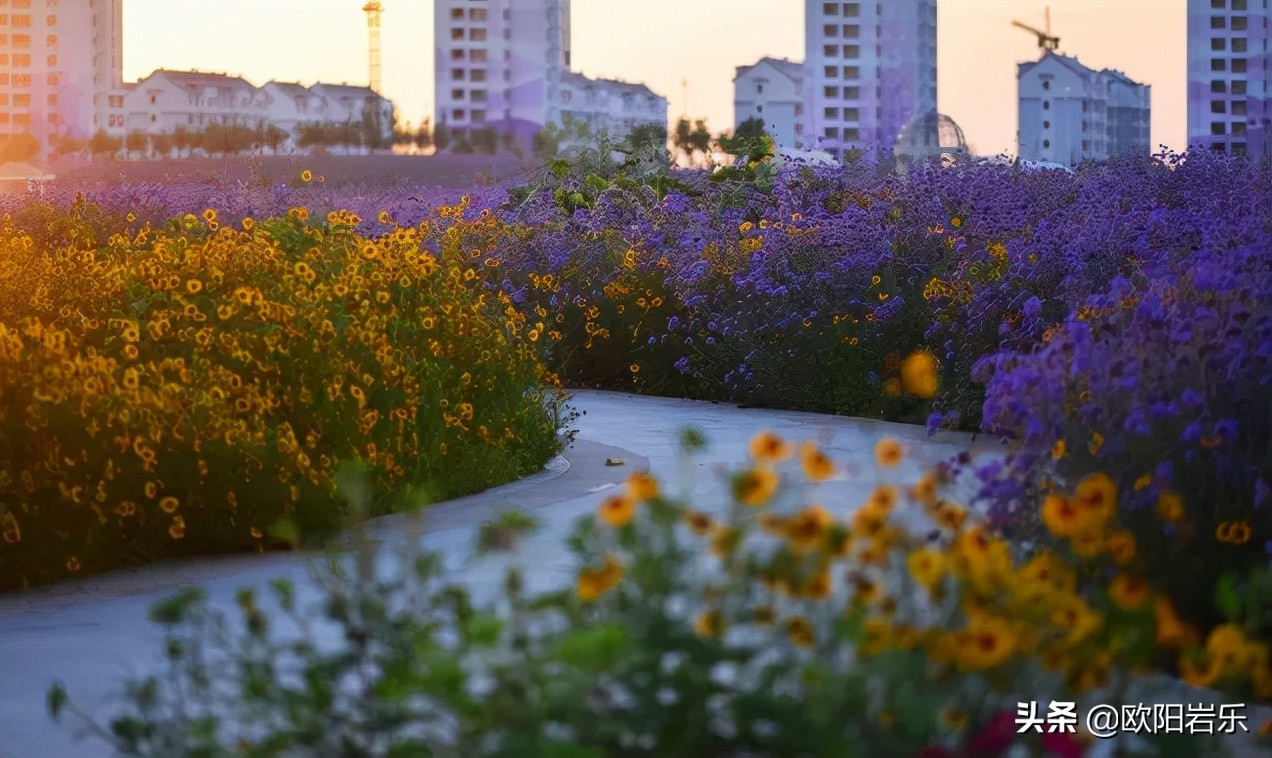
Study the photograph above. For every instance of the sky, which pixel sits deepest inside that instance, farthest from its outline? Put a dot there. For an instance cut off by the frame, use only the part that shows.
(666, 42)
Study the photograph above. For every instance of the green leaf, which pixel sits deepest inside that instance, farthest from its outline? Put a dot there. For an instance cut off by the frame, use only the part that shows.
(56, 700)
(594, 649)
(173, 610)
(483, 629)
(1227, 599)
(285, 530)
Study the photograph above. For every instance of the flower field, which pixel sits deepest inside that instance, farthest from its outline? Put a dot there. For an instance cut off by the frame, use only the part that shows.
(1113, 326)
(196, 387)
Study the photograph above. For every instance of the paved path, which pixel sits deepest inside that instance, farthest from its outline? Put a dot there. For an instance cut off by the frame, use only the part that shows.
(93, 633)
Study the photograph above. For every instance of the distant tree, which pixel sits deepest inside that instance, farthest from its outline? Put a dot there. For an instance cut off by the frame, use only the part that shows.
(102, 145)
(16, 148)
(162, 144)
(62, 145)
(270, 136)
(461, 144)
(750, 138)
(648, 137)
(423, 137)
(403, 135)
(349, 135)
(546, 142)
(181, 141)
(136, 142)
(751, 127)
(309, 136)
(484, 140)
(508, 144)
(441, 137)
(692, 138)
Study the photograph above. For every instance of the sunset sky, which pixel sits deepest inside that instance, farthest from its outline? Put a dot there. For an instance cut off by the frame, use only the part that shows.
(662, 42)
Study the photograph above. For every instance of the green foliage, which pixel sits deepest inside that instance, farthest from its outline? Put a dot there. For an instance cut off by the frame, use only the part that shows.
(659, 650)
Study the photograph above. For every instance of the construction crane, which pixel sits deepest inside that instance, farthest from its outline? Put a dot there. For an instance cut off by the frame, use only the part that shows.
(373, 9)
(1045, 40)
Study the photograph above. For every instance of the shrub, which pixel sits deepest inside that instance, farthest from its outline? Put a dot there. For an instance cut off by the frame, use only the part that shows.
(193, 388)
(768, 626)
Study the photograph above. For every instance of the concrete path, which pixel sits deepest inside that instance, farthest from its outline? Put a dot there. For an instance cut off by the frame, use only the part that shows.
(93, 633)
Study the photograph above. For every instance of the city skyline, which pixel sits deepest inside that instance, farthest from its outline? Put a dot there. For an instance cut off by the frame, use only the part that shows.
(654, 41)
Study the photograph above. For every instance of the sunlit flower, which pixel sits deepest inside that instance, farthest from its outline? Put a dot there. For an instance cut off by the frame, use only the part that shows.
(617, 510)
(767, 446)
(1128, 592)
(888, 452)
(594, 582)
(918, 374)
(756, 486)
(816, 464)
(709, 625)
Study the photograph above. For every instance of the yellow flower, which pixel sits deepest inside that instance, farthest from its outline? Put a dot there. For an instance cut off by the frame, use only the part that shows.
(926, 490)
(1057, 450)
(306, 176)
(986, 642)
(1143, 481)
(950, 516)
(1097, 442)
(169, 504)
(918, 374)
(805, 529)
(926, 566)
(818, 586)
(1096, 495)
(888, 452)
(642, 486)
(1120, 545)
(194, 286)
(709, 625)
(724, 540)
(593, 583)
(1075, 618)
(764, 615)
(1225, 645)
(892, 387)
(1059, 515)
(699, 523)
(1170, 507)
(1128, 592)
(177, 529)
(1087, 541)
(72, 564)
(755, 487)
(771, 523)
(1172, 632)
(617, 510)
(816, 464)
(767, 446)
(799, 631)
(882, 499)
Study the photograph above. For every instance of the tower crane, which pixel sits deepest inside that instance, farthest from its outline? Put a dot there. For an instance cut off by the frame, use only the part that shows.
(373, 9)
(1045, 39)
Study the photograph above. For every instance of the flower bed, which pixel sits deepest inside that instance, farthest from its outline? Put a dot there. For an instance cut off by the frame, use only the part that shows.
(767, 625)
(195, 387)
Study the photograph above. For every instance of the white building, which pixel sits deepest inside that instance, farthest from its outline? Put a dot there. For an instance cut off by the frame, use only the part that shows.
(608, 106)
(499, 64)
(772, 90)
(1229, 76)
(362, 106)
(292, 105)
(167, 100)
(61, 68)
(871, 68)
(1069, 113)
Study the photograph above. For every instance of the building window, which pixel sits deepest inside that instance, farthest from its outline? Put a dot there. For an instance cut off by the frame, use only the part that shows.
(457, 33)
(852, 72)
(1217, 4)
(21, 40)
(457, 114)
(852, 10)
(831, 72)
(1238, 65)
(1046, 105)
(1218, 43)
(1218, 22)
(457, 94)
(830, 9)
(477, 35)
(1240, 23)
(852, 51)
(1218, 64)
(759, 109)
(1046, 84)
(457, 14)
(831, 92)
(1046, 124)
(759, 88)
(852, 32)
(1239, 127)
(831, 132)
(830, 30)
(852, 114)
(479, 75)
(832, 113)
(1218, 127)
(1239, 45)
(477, 14)
(457, 74)
(830, 51)
(852, 133)
(1239, 87)
(1239, 108)
(1046, 144)
(457, 55)
(1217, 106)
(1218, 86)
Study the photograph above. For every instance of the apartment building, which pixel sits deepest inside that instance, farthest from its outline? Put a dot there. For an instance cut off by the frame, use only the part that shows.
(1070, 113)
(61, 68)
(1229, 74)
(499, 63)
(608, 106)
(772, 90)
(870, 70)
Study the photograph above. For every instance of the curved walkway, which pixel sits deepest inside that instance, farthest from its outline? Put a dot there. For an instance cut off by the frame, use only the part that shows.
(94, 633)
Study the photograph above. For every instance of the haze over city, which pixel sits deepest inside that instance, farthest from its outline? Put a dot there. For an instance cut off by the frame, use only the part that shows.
(664, 42)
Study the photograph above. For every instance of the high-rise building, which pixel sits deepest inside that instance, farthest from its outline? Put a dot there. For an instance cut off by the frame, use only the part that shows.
(1229, 94)
(1070, 113)
(499, 64)
(871, 69)
(61, 68)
